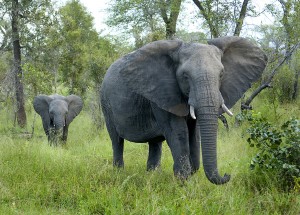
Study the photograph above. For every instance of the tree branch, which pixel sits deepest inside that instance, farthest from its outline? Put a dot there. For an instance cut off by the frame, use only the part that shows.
(163, 11)
(212, 28)
(267, 83)
(240, 21)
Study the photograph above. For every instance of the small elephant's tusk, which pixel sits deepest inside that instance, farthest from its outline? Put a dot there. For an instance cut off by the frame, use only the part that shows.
(192, 112)
(227, 110)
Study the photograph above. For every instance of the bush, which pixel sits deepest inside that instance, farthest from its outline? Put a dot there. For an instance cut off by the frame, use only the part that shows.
(93, 105)
(278, 148)
(283, 84)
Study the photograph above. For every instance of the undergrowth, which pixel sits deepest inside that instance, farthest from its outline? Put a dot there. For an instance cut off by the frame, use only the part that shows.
(278, 147)
(79, 178)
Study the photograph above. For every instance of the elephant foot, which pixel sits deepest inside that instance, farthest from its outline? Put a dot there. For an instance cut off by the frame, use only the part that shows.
(194, 170)
(118, 164)
(153, 167)
(182, 176)
(184, 170)
(154, 155)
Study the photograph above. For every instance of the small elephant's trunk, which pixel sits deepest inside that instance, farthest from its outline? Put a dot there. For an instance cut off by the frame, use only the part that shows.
(56, 131)
(55, 135)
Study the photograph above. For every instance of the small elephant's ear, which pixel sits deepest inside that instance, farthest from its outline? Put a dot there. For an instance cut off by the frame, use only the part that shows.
(75, 106)
(41, 106)
(243, 63)
(151, 72)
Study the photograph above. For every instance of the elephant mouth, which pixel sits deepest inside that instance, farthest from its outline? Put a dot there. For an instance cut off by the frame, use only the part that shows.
(223, 107)
(56, 131)
(55, 135)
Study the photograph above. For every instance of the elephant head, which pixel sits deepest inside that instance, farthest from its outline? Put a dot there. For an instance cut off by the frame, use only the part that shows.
(205, 80)
(57, 112)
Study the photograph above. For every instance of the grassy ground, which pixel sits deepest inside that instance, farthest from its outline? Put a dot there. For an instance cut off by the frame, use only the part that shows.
(79, 178)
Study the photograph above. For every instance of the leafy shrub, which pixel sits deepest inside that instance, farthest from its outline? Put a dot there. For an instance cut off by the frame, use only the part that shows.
(94, 108)
(37, 79)
(283, 84)
(278, 148)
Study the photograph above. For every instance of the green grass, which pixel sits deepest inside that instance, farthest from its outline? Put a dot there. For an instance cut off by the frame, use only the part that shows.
(79, 178)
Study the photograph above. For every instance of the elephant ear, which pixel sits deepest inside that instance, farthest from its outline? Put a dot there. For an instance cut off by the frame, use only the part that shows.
(41, 106)
(243, 63)
(151, 72)
(75, 106)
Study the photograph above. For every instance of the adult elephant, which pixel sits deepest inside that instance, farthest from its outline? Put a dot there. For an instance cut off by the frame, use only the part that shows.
(147, 95)
(57, 112)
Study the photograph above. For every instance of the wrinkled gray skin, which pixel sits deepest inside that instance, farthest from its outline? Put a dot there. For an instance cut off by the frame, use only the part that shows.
(57, 112)
(146, 96)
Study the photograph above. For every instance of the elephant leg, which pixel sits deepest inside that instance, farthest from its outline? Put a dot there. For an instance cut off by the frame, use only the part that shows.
(50, 140)
(194, 145)
(117, 146)
(118, 149)
(154, 155)
(116, 140)
(51, 137)
(65, 134)
(175, 131)
(178, 141)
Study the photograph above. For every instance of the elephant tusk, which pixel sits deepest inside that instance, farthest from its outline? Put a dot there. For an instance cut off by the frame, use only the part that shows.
(192, 112)
(227, 110)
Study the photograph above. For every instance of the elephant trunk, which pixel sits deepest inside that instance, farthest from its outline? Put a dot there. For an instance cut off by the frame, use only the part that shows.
(56, 131)
(208, 132)
(59, 123)
(207, 105)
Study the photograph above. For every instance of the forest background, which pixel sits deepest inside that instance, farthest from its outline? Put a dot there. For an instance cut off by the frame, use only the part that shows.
(49, 47)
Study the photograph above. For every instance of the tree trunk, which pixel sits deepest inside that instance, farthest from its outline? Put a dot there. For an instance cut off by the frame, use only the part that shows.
(295, 93)
(171, 21)
(240, 21)
(286, 7)
(211, 18)
(288, 27)
(213, 29)
(20, 113)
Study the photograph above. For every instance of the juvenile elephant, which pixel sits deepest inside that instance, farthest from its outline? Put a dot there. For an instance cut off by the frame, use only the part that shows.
(147, 95)
(57, 112)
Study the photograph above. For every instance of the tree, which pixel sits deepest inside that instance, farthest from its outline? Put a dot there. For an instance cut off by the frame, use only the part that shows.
(240, 20)
(172, 8)
(5, 32)
(27, 19)
(41, 41)
(267, 82)
(20, 112)
(284, 40)
(289, 17)
(78, 36)
(223, 17)
(138, 18)
(144, 18)
(102, 54)
(290, 21)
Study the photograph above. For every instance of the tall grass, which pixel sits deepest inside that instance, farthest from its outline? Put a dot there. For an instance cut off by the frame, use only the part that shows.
(79, 178)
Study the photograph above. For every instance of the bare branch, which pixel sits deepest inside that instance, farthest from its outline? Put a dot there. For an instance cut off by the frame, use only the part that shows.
(212, 28)
(267, 83)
